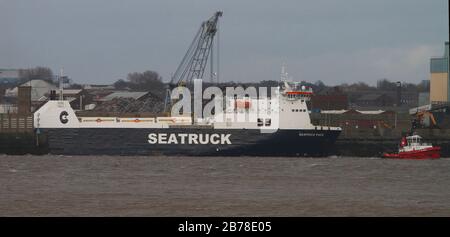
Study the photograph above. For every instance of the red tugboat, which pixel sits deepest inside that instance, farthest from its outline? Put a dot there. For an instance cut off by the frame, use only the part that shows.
(411, 147)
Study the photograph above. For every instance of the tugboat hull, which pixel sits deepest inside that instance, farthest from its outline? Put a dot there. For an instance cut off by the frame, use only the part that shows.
(428, 153)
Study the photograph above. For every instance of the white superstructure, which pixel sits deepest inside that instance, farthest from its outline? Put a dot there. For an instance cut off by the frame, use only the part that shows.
(287, 109)
(414, 143)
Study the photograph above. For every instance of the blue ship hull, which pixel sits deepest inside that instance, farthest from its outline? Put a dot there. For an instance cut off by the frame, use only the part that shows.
(179, 141)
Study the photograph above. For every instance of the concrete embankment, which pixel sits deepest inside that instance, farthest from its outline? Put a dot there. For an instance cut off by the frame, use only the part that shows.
(22, 143)
(364, 147)
(17, 136)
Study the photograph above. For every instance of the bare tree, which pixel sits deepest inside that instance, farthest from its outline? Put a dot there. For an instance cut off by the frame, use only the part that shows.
(120, 84)
(143, 78)
(42, 73)
(146, 81)
(385, 84)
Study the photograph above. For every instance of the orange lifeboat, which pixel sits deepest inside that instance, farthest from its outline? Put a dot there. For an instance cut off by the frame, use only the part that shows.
(242, 104)
(299, 93)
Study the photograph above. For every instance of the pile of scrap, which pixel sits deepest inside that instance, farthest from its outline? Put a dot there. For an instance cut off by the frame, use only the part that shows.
(131, 103)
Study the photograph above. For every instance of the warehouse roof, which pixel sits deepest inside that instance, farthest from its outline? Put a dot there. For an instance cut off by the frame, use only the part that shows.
(124, 94)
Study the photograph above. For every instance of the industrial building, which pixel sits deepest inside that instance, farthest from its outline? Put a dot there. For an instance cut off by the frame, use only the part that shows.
(439, 80)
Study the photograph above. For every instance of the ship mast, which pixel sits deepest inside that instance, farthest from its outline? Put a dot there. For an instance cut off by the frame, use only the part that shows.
(60, 81)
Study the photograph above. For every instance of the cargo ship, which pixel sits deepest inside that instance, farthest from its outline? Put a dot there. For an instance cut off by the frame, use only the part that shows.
(282, 128)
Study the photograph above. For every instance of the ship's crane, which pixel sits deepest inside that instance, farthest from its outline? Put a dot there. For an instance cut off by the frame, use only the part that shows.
(194, 62)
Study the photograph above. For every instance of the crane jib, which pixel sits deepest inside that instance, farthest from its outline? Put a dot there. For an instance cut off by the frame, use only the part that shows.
(194, 62)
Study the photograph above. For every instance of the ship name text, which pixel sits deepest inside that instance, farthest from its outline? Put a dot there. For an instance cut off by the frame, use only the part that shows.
(188, 138)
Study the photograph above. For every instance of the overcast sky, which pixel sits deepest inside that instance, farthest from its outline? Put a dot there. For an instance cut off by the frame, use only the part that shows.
(336, 41)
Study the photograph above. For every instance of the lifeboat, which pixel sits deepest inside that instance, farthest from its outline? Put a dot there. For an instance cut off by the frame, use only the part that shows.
(242, 104)
(412, 147)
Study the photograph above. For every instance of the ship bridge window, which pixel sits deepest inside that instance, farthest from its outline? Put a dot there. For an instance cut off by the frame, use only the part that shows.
(268, 122)
(260, 122)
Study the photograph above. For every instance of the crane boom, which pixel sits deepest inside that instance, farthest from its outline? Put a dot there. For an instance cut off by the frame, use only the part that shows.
(194, 62)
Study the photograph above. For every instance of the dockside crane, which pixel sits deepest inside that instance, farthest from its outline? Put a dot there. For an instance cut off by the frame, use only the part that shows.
(194, 62)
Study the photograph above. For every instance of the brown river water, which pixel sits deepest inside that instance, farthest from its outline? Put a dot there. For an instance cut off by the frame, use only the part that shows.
(222, 186)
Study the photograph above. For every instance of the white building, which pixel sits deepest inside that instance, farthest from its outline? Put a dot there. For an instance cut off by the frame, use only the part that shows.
(39, 90)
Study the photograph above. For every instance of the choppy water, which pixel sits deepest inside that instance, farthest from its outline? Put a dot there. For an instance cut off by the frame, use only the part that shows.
(222, 186)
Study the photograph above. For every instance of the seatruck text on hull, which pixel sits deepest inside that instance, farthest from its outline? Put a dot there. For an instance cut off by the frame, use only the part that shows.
(189, 138)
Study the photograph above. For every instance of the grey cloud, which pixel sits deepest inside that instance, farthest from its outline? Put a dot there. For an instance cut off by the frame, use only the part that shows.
(101, 41)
